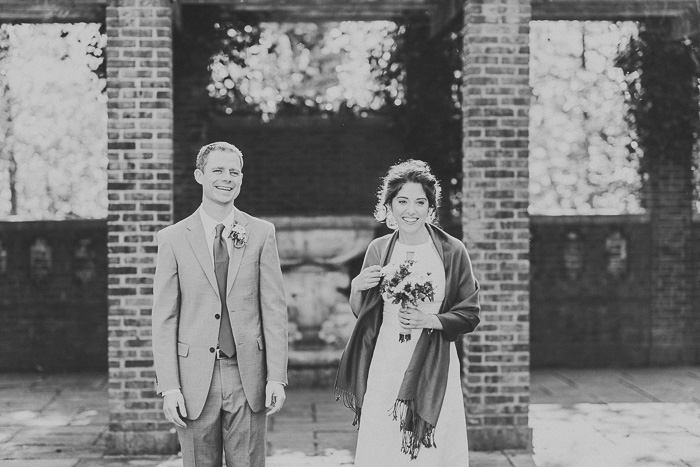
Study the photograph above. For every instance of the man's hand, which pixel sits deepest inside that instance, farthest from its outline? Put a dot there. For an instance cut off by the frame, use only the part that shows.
(171, 404)
(274, 397)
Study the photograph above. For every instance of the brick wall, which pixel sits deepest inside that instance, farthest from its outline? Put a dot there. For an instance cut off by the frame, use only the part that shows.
(496, 99)
(669, 73)
(190, 103)
(666, 130)
(53, 296)
(672, 280)
(139, 74)
(305, 166)
(590, 296)
(590, 291)
(309, 166)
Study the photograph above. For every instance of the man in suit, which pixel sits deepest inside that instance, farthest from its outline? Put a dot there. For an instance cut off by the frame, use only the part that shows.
(219, 321)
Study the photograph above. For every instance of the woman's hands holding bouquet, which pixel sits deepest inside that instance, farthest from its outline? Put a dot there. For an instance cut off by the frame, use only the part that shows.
(413, 318)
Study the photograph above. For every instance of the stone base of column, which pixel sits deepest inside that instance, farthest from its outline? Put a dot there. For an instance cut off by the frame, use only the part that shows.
(499, 437)
(129, 443)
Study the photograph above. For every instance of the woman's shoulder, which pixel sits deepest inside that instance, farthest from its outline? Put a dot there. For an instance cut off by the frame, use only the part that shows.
(379, 243)
(453, 243)
(443, 236)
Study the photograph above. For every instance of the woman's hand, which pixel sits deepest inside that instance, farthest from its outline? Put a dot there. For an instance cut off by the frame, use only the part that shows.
(413, 318)
(368, 278)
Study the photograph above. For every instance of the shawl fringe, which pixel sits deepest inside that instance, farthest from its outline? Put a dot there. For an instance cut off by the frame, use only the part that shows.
(415, 432)
(350, 402)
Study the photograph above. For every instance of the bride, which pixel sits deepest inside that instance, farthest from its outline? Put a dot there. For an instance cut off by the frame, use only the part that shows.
(406, 392)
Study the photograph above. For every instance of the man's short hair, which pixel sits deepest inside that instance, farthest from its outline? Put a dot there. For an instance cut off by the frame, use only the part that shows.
(203, 153)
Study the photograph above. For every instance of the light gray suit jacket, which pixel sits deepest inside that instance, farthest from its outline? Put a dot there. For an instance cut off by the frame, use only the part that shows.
(186, 300)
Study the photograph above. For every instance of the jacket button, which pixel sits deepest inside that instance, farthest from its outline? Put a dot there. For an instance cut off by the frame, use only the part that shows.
(212, 349)
(217, 316)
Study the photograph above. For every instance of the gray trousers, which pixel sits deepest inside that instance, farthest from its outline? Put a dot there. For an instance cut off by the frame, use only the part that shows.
(227, 424)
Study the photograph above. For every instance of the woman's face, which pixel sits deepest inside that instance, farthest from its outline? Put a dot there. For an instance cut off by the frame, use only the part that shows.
(410, 208)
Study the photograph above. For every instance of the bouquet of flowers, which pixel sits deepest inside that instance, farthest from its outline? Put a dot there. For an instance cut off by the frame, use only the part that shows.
(403, 283)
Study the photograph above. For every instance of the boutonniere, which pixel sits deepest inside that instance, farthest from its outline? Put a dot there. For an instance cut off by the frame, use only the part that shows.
(238, 235)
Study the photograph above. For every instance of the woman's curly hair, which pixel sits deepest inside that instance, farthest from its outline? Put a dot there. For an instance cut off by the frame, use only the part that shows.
(409, 171)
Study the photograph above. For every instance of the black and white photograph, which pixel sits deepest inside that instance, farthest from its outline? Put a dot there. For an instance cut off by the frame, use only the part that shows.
(370, 233)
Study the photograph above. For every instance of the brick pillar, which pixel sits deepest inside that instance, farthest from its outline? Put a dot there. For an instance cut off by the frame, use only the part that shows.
(139, 86)
(672, 279)
(668, 77)
(496, 227)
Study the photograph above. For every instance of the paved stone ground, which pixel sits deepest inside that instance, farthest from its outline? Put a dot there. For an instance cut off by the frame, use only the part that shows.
(580, 418)
(616, 418)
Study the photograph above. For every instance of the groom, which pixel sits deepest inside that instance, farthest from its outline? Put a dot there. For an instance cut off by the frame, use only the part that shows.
(219, 321)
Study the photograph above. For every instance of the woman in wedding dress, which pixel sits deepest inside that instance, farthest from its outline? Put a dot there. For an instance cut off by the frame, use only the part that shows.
(400, 372)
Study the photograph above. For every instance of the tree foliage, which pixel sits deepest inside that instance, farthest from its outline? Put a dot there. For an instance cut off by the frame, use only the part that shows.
(300, 68)
(53, 105)
(53, 121)
(662, 94)
(579, 138)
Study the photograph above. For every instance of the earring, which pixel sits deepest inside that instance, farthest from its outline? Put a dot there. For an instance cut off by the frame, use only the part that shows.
(390, 220)
(431, 215)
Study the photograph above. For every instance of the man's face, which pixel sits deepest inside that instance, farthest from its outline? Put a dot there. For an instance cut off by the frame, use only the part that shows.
(221, 178)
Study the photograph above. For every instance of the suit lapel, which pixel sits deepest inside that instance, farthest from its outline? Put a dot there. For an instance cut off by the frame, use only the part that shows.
(198, 242)
(236, 255)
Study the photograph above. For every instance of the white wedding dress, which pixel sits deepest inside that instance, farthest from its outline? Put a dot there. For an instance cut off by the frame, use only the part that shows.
(379, 438)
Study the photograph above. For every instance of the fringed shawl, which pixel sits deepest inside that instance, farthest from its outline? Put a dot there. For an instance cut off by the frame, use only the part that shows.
(420, 398)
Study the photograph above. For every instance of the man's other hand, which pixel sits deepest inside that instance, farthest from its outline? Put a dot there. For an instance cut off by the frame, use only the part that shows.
(174, 408)
(274, 397)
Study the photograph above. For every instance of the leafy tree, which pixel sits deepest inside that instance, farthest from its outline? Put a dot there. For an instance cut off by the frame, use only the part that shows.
(663, 78)
(299, 68)
(579, 138)
(52, 121)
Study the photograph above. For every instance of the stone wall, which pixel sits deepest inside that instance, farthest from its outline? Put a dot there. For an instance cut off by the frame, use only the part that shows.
(53, 296)
(590, 294)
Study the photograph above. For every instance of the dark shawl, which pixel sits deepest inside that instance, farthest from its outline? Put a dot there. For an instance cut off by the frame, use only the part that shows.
(420, 398)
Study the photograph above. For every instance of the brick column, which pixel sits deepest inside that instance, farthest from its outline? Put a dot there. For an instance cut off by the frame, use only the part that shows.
(673, 318)
(668, 76)
(139, 86)
(496, 102)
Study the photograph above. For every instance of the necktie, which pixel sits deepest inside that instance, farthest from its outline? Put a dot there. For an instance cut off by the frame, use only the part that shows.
(221, 269)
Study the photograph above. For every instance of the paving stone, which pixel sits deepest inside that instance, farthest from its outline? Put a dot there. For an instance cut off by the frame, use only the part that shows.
(341, 440)
(123, 461)
(490, 459)
(39, 463)
(31, 451)
(330, 458)
(580, 418)
(308, 427)
(61, 436)
(291, 441)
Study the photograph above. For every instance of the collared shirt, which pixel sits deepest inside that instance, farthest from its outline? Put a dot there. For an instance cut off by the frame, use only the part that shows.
(210, 224)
